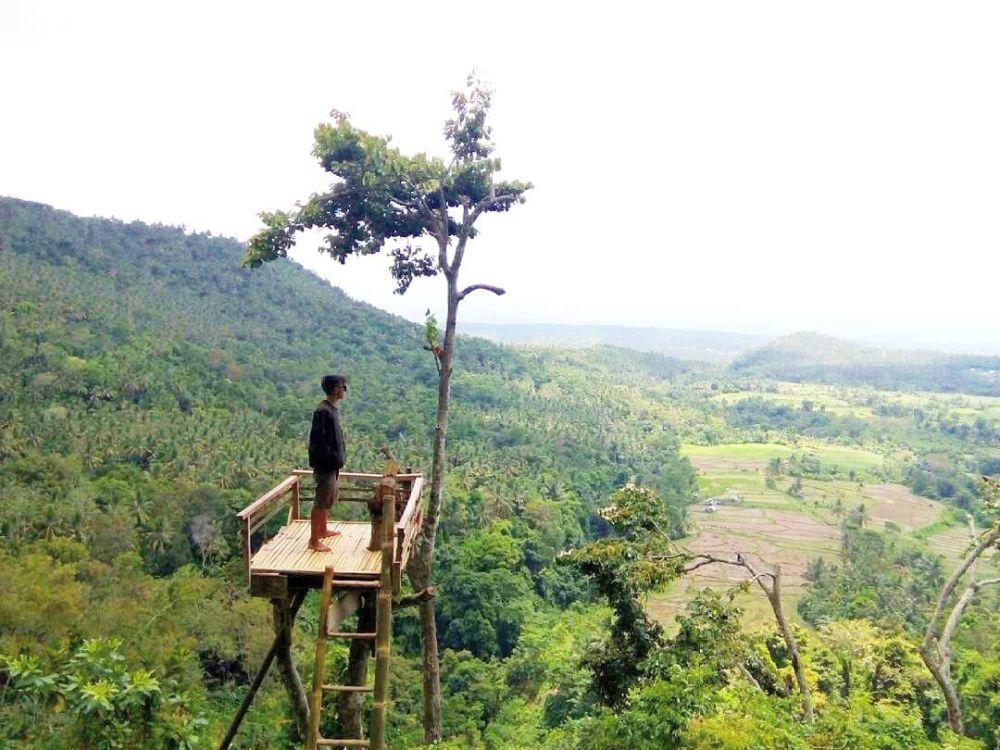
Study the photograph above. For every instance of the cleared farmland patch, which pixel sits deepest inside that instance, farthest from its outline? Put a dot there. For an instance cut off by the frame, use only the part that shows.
(750, 456)
(771, 527)
(896, 504)
(768, 536)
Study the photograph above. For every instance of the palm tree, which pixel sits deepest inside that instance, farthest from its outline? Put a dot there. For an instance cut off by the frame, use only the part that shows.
(140, 508)
(160, 536)
(838, 506)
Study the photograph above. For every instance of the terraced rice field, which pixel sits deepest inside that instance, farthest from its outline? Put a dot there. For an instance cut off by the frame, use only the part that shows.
(895, 503)
(767, 536)
(770, 527)
(951, 543)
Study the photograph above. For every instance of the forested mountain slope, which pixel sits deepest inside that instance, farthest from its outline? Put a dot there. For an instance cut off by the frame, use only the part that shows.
(127, 320)
(803, 357)
(149, 388)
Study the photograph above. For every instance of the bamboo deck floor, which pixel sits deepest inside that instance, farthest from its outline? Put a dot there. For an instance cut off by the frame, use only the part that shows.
(288, 552)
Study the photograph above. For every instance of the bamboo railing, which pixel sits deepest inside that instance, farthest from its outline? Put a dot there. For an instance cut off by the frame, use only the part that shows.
(355, 487)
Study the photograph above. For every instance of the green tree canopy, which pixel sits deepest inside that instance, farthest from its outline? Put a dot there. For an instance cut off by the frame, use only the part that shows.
(380, 196)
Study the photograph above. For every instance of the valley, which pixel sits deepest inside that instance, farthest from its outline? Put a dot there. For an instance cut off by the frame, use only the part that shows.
(151, 388)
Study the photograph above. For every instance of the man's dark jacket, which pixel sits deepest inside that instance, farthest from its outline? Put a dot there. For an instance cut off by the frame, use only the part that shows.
(327, 452)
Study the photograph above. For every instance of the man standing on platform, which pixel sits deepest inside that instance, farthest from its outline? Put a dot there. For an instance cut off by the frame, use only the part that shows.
(327, 454)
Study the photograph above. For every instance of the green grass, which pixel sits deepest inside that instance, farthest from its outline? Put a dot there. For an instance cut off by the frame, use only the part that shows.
(747, 451)
(847, 458)
(716, 484)
(949, 517)
(829, 455)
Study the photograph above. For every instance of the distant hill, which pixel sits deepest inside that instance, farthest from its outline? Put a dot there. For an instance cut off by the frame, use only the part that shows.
(715, 347)
(806, 356)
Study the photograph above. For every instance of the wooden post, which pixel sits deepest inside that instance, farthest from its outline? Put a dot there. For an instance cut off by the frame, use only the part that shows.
(258, 678)
(286, 666)
(375, 537)
(246, 548)
(316, 706)
(296, 499)
(383, 622)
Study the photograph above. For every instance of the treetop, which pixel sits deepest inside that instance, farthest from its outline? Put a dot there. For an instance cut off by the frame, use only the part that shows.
(380, 195)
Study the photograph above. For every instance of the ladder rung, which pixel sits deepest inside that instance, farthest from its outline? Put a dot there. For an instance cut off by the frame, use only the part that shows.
(349, 688)
(342, 743)
(355, 636)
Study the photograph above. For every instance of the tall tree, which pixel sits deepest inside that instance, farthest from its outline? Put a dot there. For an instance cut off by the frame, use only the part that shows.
(935, 649)
(772, 591)
(625, 567)
(384, 200)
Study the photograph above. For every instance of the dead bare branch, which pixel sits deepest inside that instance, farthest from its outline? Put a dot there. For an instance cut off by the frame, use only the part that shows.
(499, 291)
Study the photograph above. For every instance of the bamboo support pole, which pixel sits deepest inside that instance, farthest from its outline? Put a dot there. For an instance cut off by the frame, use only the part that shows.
(295, 511)
(383, 622)
(316, 703)
(258, 678)
(286, 667)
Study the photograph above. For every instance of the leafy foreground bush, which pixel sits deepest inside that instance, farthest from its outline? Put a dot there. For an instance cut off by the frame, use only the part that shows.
(94, 699)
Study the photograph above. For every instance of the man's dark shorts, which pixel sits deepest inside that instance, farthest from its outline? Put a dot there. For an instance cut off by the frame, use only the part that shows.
(327, 487)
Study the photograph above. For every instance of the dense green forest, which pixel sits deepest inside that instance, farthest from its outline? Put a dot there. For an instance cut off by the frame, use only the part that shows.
(150, 388)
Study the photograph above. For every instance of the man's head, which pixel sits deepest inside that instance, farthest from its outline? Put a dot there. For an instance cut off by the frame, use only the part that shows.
(334, 386)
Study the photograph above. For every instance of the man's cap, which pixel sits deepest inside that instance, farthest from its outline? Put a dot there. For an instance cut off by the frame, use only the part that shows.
(329, 381)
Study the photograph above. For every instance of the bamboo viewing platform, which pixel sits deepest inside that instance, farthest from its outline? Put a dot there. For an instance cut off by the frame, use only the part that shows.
(360, 575)
(285, 554)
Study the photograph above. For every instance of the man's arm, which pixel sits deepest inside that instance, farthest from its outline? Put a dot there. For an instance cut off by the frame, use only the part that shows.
(339, 449)
(317, 439)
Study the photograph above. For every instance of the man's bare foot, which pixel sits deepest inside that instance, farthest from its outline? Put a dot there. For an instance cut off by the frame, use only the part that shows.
(318, 547)
(330, 531)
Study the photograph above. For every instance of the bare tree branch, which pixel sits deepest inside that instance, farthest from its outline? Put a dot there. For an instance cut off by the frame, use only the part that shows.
(456, 260)
(985, 541)
(413, 600)
(488, 201)
(420, 198)
(443, 210)
(936, 651)
(703, 563)
(488, 287)
(773, 594)
(739, 562)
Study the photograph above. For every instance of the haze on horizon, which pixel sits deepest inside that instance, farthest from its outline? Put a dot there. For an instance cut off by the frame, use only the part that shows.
(763, 168)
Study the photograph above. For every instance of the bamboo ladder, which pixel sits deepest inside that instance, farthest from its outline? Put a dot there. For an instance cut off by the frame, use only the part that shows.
(382, 636)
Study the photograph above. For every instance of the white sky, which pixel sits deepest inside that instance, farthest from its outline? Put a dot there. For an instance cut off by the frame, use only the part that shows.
(746, 166)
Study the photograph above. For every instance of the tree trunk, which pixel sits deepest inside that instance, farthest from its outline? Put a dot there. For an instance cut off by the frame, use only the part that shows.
(774, 597)
(349, 704)
(421, 566)
(947, 689)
